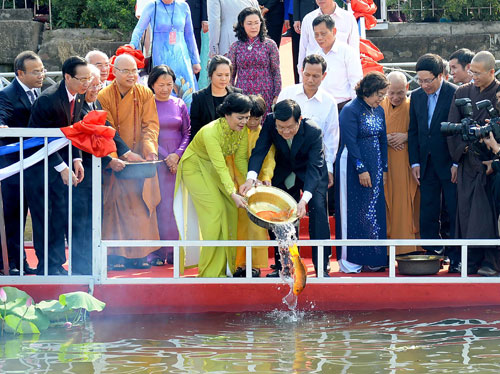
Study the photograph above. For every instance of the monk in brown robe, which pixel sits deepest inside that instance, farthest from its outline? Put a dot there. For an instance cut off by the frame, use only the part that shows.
(401, 194)
(129, 205)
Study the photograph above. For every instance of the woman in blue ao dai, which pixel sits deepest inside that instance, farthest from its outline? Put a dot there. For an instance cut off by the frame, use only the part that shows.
(361, 171)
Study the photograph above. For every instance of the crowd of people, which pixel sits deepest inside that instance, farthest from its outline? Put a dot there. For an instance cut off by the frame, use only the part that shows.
(363, 145)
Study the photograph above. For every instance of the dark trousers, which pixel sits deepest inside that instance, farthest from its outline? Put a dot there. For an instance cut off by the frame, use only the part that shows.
(431, 188)
(82, 226)
(319, 227)
(57, 215)
(11, 202)
(274, 31)
(295, 50)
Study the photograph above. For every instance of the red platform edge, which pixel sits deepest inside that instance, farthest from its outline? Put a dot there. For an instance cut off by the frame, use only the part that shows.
(205, 298)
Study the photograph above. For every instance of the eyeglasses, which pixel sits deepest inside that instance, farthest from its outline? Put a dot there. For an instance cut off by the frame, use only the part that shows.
(84, 79)
(127, 71)
(287, 129)
(474, 73)
(38, 73)
(425, 81)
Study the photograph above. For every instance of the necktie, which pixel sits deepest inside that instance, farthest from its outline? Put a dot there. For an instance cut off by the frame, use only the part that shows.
(431, 105)
(290, 180)
(31, 96)
(71, 109)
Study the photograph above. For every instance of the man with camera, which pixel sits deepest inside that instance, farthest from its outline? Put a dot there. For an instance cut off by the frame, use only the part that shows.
(476, 218)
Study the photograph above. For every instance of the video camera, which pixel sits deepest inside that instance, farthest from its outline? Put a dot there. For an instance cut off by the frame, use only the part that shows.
(470, 129)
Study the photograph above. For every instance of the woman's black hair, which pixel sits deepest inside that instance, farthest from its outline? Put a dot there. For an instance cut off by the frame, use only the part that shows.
(157, 72)
(239, 28)
(286, 109)
(234, 103)
(258, 106)
(372, 82)
(216, 61)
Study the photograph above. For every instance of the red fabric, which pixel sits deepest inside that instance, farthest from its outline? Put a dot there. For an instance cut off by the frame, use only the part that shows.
(71, 109)
(366, 9)
(368, 65)
(367, 48)
(92, 135)
(126, 49)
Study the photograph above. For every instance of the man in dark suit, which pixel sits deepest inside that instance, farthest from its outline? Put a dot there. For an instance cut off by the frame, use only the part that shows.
(300, 166)
(300, 9)
(82, 193)
(199, 18)
(274, 14)
(58, 106)
(431, 163)
(15, 108)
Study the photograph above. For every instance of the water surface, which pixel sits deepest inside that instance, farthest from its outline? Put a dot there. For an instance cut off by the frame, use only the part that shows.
(402, 341)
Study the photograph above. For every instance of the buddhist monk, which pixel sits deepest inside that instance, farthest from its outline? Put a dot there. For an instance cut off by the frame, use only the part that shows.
(401, 189)
(129, 205)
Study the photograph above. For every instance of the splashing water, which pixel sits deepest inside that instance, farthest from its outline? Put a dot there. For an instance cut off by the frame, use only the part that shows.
(286, 237)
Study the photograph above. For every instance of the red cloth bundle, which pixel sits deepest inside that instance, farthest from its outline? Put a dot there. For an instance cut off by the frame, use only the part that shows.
(126, 49)
(368, 65)
(367, 48)
(92, 135)
(365, 8)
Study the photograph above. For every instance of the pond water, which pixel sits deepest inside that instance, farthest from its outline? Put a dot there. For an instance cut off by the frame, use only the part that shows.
(402, 341)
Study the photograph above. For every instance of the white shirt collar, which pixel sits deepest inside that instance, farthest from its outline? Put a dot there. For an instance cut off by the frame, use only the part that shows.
(318, 95)
(70, 96)
(25, 88)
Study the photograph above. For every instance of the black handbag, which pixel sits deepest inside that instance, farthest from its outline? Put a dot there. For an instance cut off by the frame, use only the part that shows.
(148, 62)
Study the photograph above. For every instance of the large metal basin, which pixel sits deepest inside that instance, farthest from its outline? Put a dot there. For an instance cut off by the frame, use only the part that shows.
(267, 198)
(419, 264)
(138, 170)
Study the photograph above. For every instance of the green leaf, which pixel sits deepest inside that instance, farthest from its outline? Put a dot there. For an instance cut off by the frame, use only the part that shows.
(31, 314)
(14, 324)
(13, 293)
(55, 311)
(79, 299)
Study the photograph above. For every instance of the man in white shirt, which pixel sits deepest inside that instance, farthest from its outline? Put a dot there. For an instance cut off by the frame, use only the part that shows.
(347, 28)
(343, 63)
(317, 104)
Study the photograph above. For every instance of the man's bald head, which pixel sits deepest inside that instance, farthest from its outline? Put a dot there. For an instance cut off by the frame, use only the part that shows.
(482, 69)
(125, 61)
(126, 73)
(398, 88)
(485, 58)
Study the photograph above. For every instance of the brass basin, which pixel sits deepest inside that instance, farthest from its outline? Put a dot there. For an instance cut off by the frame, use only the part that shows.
(419, 264)
(267, 198)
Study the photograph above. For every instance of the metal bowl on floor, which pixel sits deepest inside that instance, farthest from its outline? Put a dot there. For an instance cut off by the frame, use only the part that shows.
(268, 198)
(419, 264)
(138, 170)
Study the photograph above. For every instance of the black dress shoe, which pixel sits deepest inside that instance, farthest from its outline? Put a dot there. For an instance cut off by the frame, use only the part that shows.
(454, 269)
(28, 270)
(239, 273)
(273, 266)
(326, 275)
(14, 271)
(486, 271)
(274, 274)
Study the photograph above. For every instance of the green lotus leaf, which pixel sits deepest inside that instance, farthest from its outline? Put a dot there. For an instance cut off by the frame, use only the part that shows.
(55, 311)
(14, 324)
(83, 300)
(14, 293)
(31, 314)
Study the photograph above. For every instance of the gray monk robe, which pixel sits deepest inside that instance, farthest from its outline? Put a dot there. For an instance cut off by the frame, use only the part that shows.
(476, 218)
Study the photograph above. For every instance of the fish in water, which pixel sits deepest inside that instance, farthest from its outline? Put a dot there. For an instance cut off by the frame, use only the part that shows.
(299, 270)
(273, 216)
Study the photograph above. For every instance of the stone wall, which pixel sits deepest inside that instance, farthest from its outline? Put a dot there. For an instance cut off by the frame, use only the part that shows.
(405, 42)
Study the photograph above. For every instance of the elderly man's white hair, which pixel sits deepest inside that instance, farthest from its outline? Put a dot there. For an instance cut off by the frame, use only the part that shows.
(397, 77)
(93, 53)
(94, 71)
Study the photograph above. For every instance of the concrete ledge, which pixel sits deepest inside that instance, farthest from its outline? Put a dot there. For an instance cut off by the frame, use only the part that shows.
(18, 36)
(16, 14)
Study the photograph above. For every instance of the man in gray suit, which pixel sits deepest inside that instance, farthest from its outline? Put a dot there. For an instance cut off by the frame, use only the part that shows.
(222, 16)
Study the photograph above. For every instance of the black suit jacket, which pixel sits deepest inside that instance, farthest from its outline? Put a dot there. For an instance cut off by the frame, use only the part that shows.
(15, 110)
(198, 12)
(302, 7)
(276, 12)
(424, 141)
(305, 158)
(121, 146)
(203, 109)
(52, 110)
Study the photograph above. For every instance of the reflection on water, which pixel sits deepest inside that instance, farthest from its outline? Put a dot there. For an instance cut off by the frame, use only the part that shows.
(430, 341)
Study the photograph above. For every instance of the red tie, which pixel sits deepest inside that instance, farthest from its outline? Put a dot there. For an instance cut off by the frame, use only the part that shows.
(71, 109)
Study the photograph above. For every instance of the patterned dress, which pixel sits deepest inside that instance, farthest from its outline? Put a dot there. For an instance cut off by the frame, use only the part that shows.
(256, 68)
(361, 212)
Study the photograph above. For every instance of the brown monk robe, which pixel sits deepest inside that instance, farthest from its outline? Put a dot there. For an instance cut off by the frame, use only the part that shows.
(401, 193)
(129, 205)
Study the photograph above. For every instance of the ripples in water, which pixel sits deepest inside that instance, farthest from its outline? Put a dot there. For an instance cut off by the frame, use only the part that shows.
(428, 341)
